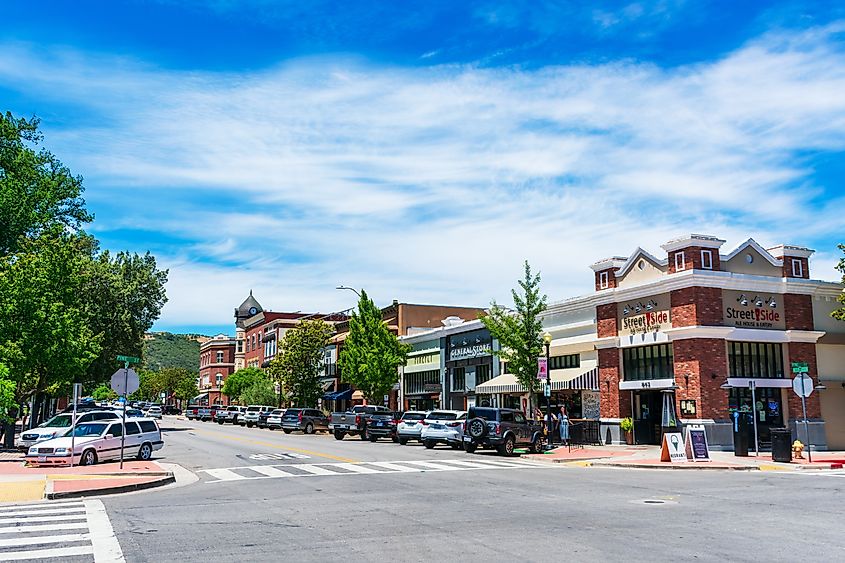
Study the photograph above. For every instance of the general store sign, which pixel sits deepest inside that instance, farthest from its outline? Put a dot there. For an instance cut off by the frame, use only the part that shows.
(470, 345)
(644, 315)
(749, 309)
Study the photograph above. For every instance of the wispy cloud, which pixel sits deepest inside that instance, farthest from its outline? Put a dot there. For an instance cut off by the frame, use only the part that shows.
(432, 184)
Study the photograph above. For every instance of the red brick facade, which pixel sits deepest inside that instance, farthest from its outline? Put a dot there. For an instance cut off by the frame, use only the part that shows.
(696, 306)
(798, 311)
(693, 259)
(606, 320)
(701, 366)
(803, 352)
(609, 376)
(788, 269)
(611, 279)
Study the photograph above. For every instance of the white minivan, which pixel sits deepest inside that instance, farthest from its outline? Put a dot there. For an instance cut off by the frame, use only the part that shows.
(99, 441)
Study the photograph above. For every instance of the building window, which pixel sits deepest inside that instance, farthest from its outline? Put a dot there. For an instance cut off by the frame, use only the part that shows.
(797, 268)
(680, 264)
(218, 379)
(565, 362)
(220, 357)
(240, 346)
(755, 359)
(648, 362)
(707, 259)
(459, 379)
(483, 373)
(603, 280)
(416, 382)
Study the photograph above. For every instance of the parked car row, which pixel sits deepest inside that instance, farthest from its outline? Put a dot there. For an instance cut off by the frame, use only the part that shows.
(504, 430)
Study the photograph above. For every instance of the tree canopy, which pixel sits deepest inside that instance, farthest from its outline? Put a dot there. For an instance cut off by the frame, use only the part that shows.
(242, 379)
(519, 332)
(840, 312)
(371, 354)
(298, 365)
(166, 350)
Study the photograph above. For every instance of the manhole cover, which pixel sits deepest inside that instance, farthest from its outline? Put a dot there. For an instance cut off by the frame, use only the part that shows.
(653, 501)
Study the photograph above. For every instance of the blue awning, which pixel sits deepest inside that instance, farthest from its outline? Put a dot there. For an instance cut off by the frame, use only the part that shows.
(339, 395)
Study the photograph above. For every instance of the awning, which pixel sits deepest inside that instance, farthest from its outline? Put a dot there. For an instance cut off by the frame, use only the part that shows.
(200, 397)
(328, 385)
(588, 381)
(344, 395)
(357, 395)
(561, 379)
(505, 383)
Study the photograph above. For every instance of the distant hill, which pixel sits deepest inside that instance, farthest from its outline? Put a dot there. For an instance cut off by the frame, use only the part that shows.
(167, 350)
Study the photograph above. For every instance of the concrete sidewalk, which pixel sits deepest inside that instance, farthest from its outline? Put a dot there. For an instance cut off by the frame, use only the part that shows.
(648, 457)
(21, 483)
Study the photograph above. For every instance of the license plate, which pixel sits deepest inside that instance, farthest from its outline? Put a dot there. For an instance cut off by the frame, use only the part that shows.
(438, 426)
(42, 458)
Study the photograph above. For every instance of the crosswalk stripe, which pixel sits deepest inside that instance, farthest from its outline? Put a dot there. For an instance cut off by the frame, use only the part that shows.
(105, 544)
(43, 511)
(224, 474)
(355, 468)
(47, 553)
(42, 506)
(18, 542)
(270, 471)
(394, 466)
(42, 528)
(315, 469)
(58, 518)
(501, 463)
(473, 464)
(432, 465)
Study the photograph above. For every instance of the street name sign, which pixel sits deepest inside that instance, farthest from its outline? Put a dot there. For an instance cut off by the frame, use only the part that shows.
(800, 367)
(129, 359)
(802, 385)
(125, 381)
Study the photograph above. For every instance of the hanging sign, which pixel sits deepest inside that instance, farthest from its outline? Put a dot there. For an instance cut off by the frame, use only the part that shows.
(696, 447)
(542, 369)
(673, 448)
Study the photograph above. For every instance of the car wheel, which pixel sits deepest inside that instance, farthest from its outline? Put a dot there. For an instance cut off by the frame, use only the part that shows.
(537, 445)
(338, 435)
(455, 446)
(89, 457)
(395, 440)
(477, 428)
(249, 425)
(364, 434)
(428, 444)
(506, 449)
(286, 430)
(403, 441)
(146, 452)
(309, 428)
(373, 438)
(470, 447)
(220, 422)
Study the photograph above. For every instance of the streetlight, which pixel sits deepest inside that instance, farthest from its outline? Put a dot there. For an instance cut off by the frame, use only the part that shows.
(350, 289)
(547, 340)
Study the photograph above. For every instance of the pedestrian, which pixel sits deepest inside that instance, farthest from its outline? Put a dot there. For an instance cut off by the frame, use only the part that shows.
(563, 420)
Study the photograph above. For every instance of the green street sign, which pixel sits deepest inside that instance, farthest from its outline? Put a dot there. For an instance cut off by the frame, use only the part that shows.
(130, 359)
(800, 367)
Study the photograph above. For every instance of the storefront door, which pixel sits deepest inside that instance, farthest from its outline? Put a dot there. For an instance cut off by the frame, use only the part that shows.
(768, 411)
(647, 410)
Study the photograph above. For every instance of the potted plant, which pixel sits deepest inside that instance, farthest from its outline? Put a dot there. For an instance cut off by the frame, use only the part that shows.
(627, 426)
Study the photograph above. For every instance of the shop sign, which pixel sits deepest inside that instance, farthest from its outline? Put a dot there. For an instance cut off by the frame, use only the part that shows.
(673, 448)
(432, 387)
(747, 309)
(696, 447)
(644, 316)
(542, 369)
(470, 345)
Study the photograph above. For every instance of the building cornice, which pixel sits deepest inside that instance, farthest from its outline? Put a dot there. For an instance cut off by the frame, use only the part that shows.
(743, 334)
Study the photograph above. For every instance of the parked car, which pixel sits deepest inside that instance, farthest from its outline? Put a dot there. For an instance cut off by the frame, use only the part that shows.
(502, 429)
(264, 415)
(99, 441)
(58, 426)
(154, 412)
(410, 426)
(171, 409)
(208, 413)
(382, 425)
(133, 413)
(191, 411)
(232, 414)
(443, 427)
(305, 420)
(274, 419)
(251, 414)
(353, 421)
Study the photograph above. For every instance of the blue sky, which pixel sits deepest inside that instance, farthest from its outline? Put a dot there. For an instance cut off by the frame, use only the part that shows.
(423, 150)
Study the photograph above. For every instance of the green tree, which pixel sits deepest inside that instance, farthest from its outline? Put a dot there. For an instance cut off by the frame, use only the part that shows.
(298, 365)
(519, 332)
(260, 392)
(840, 312)
(166, 350)
(103, 392)
(37, 192)
(8, 407)
(239, 381)
(371, 354)
(186, 389)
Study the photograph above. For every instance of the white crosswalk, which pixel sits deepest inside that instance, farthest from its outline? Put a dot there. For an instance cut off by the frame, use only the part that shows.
(248, 472)
(53, 530)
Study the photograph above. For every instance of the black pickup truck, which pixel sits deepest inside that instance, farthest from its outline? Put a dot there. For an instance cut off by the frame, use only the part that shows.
(502, 429)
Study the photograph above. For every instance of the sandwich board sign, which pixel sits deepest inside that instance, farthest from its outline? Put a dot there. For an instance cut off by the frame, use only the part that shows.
(695, 445)
(673, 448)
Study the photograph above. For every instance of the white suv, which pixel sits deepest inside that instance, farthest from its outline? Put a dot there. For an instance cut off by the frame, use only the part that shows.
(99, 441)
(444, 427)
(410, 426)
(250, 417)
(58, 426)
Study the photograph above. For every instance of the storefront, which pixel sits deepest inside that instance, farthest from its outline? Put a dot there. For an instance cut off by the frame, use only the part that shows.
(469, 363)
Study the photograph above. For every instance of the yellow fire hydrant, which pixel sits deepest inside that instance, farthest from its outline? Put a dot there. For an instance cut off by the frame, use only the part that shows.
(797, 449)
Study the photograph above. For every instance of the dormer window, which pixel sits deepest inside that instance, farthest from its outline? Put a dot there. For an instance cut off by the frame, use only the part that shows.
(797, 268)
(707, 259)
(680, 264)
(603, 283)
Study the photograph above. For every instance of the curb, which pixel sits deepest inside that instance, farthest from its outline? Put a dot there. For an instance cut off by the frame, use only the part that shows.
(699, 467)
(165, 480)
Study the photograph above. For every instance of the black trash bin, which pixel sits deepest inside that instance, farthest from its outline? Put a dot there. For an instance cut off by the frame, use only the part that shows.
(782, 445)
(740, 425)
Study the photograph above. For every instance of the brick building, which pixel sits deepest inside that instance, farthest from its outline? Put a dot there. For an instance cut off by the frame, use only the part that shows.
(688, 335)
(217, 362)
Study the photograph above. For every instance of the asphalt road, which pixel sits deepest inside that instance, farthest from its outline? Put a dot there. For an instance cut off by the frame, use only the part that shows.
(338, 505)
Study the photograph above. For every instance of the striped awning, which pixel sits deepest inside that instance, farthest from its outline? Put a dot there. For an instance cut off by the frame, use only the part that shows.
(588, 381)
(507, 383)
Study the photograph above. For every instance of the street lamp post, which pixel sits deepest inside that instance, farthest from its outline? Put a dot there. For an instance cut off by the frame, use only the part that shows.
(350, 289)
(547, 340)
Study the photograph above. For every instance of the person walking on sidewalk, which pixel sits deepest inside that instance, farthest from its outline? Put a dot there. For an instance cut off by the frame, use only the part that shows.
(563, 422)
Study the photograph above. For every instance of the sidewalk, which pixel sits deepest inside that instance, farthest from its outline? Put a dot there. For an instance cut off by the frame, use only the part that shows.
(648, 457)
(21, 483)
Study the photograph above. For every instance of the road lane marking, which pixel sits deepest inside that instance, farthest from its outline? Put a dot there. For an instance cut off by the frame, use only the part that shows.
(277, 446)
(37, 540)
(42, 528)
(224, 474)
(48, 553)
(394, 466)
(103, 541)
(314, 469)
(269, 471)
(43, 511)
(58, 518)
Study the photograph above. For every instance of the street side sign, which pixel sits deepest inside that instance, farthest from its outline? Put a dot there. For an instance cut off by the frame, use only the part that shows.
(673, 448)
(129, 359)
(125, 381)
(802, 385)
(800, 367)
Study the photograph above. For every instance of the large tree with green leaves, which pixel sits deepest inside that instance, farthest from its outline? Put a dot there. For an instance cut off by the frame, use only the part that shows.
(239, 381)
(261, 392)
(519, 332)
(298, 365)
(840, 312)
(37, 192)
(371, 354)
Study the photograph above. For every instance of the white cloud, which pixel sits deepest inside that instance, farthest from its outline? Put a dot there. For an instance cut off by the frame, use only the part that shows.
(433, 184)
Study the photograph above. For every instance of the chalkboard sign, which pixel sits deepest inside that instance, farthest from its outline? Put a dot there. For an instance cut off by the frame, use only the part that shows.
(696, 444)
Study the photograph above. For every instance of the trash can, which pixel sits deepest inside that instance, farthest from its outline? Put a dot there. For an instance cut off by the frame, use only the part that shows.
(740, 434)
(782, 445)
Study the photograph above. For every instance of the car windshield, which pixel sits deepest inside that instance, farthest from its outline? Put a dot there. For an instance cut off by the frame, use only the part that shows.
(293, 412)
(442, 416)
(277, 412)
(89, 429)
(253, 409)
(413, 416)
(60, 421)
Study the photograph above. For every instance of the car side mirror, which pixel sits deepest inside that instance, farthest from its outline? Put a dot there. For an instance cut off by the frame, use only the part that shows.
(109, 436)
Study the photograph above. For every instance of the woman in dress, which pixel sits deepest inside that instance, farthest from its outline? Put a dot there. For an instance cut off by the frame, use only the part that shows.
(563, 421)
